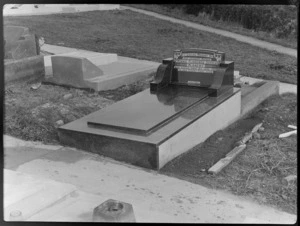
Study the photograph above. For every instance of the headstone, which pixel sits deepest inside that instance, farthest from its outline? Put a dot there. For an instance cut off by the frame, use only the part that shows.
(201, 68)
(19, 43)
(192, 96)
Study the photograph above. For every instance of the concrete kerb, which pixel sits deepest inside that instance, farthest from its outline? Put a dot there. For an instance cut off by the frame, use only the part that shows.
(30, 67)
(253, 99)
(283, 87)
(116, 71)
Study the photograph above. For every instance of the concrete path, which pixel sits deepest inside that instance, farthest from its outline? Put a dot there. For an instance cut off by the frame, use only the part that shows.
(155, 197)
(241, 38)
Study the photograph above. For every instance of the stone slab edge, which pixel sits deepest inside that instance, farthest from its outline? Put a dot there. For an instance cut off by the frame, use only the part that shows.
(109, 83)
(31, 67)
(257, 96)
(53, 193)
(222, 163)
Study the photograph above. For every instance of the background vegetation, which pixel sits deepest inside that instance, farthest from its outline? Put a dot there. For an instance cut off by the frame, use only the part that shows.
(136, 35)
(274, 23)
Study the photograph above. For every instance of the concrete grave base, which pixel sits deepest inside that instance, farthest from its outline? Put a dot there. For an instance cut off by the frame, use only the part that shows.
(31, 67)
(154, 149)
(97, 71)
(256, 95)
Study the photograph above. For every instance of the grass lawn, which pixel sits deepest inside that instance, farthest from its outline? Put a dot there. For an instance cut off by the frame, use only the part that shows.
(224, 25)
(140, 36)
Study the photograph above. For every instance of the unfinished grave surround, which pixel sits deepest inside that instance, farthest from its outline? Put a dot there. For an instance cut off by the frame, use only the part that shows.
(21, 54)
(97, 71)
(192, 96)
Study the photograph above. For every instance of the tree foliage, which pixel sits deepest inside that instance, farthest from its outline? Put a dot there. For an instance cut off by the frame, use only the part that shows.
(278, 19)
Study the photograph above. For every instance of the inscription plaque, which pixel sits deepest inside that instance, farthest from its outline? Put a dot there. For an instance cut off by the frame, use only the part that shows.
(196, 60)
(201, 62)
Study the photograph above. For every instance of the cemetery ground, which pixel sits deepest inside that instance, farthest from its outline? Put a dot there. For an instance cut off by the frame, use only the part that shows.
(136, 35)
(258, 172)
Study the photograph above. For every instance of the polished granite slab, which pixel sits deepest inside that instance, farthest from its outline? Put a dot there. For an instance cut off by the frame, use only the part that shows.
(142, 149)
(146, 111)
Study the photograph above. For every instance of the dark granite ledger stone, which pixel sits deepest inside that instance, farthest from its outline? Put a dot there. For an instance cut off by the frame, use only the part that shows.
(140, 149)
(147, 110)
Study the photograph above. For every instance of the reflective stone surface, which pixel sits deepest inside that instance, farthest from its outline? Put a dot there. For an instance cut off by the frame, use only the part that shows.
(137, 148)
(145, 111)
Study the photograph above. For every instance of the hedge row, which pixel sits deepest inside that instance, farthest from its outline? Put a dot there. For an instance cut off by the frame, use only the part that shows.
(280, 20)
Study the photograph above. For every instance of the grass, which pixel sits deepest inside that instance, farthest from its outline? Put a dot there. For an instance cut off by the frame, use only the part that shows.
(204, 19)
(259, 170)
(32, 114)
(140, 36)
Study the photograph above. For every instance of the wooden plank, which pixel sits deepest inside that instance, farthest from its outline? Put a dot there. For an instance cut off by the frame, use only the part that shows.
(222, 163)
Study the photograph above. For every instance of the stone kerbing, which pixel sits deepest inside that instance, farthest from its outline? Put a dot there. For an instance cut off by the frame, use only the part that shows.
(222, 163)
(251, 100)
(31, 67)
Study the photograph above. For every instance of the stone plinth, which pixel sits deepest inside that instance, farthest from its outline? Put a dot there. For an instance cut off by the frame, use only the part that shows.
(149, 130)
(97, 71)
(26, 68)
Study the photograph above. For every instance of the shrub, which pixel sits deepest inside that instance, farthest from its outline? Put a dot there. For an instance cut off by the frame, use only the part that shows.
(277, 19)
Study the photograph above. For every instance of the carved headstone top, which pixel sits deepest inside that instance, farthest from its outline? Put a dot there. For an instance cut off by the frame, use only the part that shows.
(198, 60)
(202, 68)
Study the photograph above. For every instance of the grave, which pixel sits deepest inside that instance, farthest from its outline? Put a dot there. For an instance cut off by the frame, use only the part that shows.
(21, 54)
(19, 43)
(97, 71)
(191, 97)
